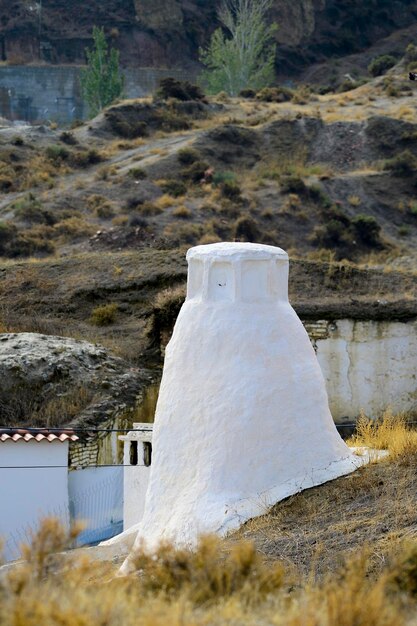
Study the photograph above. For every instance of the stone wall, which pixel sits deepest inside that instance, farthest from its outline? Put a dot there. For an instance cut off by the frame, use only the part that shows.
(52, 93)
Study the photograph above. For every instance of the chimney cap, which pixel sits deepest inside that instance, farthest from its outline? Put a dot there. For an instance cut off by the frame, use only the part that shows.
(236, 251)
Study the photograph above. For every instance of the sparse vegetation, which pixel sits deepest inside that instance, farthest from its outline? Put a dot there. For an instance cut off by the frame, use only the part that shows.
(104, 315)
(381, 64)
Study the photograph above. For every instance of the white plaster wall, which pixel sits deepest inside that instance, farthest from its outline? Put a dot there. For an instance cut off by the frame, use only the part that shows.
(29, 492)
(136, 480)
(369, 366)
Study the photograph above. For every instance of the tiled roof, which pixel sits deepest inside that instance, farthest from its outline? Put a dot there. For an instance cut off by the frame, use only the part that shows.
(41, 434)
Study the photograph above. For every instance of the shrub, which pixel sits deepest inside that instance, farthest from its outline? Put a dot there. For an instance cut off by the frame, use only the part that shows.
(379, 65)
(245, 228)
(367, 229)
(174, 188)
(187, 156)
(138, 173)
(18, 141)
(247, 93)
(83, 158)
(68, 138)
(182, 211)
(223, 177)
(104, 315)
(57, 153)
(230, 190)
(180, 90)
(329, 235)
(148, 209)
(401, 164)
(317, 194)
(6, 183)
(195, 172)
(100, 206)
(275, 94)
(207, 573)
(30, 210)
(292, 184)
(404, 230)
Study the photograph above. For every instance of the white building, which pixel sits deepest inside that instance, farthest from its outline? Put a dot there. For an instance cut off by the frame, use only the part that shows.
(33, 482)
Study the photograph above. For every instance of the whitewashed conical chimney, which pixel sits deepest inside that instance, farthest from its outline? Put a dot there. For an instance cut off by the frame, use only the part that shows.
(242, 419)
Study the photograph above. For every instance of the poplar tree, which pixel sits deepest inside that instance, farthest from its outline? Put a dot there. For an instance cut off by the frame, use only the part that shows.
(241, 54)
(102, 81)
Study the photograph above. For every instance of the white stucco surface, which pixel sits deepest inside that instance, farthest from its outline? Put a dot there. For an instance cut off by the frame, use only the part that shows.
(369, 366)
(33, 484)
(136, 477)
(242, 419)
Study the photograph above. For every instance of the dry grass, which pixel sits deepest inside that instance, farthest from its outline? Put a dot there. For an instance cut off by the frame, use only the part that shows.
(217, 584)
(389, 432)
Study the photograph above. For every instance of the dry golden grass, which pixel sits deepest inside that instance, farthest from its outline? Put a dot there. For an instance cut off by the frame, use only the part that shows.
(216, 584)
(389, 432)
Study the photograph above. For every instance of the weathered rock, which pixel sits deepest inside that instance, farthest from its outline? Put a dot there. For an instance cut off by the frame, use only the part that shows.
(54, 381)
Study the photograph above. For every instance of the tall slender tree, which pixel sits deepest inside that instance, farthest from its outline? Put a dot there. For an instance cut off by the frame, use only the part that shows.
(102, 81)
(242, 53)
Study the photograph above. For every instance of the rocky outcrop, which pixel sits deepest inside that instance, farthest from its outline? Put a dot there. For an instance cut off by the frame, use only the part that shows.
(168, 33)
(56, 381)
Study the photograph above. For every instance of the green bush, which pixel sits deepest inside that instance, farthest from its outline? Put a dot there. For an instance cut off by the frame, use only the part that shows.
(381, 64)
(230, 190)
(30, 210)
(402, 164)
(187, 156)
(195, 172)
(219, 178)
(104, 315)
(83, 158)
(367, 229)
(57, 153)
(138, 173)
(174, 187)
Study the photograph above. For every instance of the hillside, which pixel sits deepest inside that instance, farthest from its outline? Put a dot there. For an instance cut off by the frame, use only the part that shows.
(101, 215)
(168, 33)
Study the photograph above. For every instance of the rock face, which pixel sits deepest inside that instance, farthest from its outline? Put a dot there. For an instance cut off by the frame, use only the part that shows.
(56, 381)
(242, 419)
(169, 32)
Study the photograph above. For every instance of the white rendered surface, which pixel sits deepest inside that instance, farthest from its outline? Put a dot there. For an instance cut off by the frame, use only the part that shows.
(136, 477)
(369, 366)
(242, 419)
(27, 494)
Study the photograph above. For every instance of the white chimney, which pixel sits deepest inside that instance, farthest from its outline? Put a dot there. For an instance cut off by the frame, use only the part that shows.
(242, 419)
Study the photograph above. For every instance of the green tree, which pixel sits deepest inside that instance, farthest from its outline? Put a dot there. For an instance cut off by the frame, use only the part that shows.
(102, 81)
(243, 54)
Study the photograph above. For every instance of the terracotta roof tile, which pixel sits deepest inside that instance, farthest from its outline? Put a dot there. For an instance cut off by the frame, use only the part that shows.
(41, 434)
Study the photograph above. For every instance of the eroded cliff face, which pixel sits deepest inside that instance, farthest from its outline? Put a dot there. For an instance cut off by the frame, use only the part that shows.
(169, 32)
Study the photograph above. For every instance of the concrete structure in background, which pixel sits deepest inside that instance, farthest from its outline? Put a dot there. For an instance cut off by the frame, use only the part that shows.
(242, 419)
(137, 459)
(33, 483)
(367, 365)
(53, 93)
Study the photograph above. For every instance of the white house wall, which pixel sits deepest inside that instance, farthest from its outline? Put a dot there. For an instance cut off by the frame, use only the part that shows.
(368, 365)
(33, 484)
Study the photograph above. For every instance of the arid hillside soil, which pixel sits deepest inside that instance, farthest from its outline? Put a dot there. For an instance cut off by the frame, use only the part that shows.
(95, 221)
